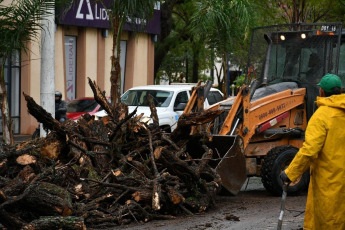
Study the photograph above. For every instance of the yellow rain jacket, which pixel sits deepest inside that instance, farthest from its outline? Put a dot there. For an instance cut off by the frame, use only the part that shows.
(324, 152)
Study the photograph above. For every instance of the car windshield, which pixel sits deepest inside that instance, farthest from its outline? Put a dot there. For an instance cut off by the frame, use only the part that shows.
(139, 97)
(86, 105)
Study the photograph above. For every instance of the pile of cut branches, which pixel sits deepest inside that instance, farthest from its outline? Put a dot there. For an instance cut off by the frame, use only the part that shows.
(102, 173)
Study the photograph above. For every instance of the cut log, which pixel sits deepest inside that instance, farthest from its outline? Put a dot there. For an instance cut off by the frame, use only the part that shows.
(51, 149)
(101, 98)
(14, 153)
(178, 167)
(44, 117)
(3, 196)
(186, 121)
(204, 161)
(142, 196)
(154, 116)
(156, 196)
(140, 169)
(3, 166)
(14, 187)
(47, 199)
(56, 223)
(10, 221)
(174, 195)
(27, 174)
(26, 159)
(157, 152)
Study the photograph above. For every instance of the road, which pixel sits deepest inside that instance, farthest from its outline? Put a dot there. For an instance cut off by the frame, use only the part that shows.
(255, 208)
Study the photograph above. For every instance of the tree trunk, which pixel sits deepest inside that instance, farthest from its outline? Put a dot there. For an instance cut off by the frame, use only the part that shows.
(195, 66)
(47, 199)
(7, 135)
(115, 61)
(166, 28)
(222, 83)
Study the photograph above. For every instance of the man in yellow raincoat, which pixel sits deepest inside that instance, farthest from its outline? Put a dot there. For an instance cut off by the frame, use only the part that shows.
(324, 152)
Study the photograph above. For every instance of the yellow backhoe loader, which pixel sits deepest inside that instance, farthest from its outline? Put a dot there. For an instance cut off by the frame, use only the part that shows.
(263, 127)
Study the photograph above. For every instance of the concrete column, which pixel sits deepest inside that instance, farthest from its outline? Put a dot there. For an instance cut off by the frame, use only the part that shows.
(47, 96)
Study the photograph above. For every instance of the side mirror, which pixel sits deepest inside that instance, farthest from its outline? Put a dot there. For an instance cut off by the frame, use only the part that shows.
(180, 107)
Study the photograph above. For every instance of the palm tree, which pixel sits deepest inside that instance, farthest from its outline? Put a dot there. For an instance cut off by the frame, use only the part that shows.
(121, 12)
(20, 23)
(223, 23)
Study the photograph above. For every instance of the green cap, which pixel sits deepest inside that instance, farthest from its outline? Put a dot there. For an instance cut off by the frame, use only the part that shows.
(329, 81)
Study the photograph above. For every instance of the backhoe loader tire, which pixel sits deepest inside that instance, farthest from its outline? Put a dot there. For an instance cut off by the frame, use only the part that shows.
(276, 160)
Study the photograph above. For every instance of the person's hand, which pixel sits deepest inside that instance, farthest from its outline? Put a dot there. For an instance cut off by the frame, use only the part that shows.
(284, 178)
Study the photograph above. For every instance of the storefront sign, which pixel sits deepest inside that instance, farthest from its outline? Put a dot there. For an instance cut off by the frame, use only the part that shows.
(123, 55)
(70, 63)
(94, 14)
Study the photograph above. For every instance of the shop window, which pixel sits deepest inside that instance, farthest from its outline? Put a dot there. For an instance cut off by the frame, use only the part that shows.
(12, 82)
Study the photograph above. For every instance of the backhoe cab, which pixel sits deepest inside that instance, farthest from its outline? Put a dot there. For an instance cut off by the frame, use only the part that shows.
(263, 126)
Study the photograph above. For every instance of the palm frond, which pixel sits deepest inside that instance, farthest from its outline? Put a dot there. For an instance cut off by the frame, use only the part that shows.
(20, 22)
(221, 20)
(131, 11)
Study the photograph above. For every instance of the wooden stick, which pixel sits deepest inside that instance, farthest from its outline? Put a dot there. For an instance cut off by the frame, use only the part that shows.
(152, 157)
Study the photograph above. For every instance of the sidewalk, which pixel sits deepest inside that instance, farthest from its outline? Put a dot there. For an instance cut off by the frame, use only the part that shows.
(21, 138)
(18, 138)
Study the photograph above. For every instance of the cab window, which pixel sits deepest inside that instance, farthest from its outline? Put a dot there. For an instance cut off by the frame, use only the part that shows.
(182, 97)
(214, 97)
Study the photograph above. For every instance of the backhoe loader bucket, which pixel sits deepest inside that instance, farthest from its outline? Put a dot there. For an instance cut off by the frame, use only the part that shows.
(231, 167)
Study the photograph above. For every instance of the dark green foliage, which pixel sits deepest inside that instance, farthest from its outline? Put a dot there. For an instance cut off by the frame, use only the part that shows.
(20, 22)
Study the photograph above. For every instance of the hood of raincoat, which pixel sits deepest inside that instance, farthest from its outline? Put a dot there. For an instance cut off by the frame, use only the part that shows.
(335, 101)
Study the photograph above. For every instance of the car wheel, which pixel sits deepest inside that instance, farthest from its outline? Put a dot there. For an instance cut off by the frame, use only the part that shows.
(166, 128)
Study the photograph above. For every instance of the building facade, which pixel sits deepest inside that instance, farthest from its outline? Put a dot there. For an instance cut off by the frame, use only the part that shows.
(83, 47)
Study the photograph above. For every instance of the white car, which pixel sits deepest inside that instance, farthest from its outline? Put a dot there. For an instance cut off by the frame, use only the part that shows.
(170, 101)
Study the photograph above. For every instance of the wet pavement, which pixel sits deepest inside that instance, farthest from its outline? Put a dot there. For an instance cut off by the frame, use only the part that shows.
(254, 207)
